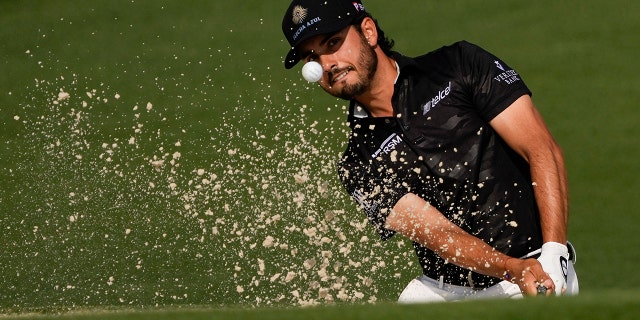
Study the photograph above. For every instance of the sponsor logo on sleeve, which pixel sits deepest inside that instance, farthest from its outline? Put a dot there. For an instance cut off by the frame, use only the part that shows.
(506, 76)
(368, 206)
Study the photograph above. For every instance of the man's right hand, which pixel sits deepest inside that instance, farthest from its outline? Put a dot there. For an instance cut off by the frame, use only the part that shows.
(529, 275)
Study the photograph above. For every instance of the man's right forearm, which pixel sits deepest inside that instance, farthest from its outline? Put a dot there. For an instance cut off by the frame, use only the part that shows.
(415, 219)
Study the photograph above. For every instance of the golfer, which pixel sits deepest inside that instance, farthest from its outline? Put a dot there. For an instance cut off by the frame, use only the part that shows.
(448, 150)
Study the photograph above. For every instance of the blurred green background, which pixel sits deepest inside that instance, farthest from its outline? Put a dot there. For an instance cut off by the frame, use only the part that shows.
(157, 153)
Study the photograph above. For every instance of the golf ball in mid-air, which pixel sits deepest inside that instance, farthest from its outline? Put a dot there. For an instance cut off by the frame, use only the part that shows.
(312, 71)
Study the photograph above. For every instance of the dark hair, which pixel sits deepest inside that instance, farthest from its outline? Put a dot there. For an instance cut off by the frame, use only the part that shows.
(386, 44)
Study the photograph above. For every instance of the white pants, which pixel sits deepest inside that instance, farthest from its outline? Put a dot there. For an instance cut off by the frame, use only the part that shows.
(424, 289)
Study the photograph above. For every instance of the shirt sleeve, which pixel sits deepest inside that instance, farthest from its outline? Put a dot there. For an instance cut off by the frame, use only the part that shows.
(495, 85)
(373, 193)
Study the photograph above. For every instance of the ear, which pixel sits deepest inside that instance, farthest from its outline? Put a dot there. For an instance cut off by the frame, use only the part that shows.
(369, 31)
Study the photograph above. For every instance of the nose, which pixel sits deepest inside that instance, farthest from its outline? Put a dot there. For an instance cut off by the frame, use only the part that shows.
(328, 62)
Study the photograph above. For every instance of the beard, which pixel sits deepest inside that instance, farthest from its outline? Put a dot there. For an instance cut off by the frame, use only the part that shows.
(367, 66)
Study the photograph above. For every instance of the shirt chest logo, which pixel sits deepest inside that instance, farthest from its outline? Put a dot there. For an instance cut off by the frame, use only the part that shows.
(433, 102)
(388, 145)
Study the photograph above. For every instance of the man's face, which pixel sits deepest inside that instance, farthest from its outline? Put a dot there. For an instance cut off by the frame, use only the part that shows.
(348, 61)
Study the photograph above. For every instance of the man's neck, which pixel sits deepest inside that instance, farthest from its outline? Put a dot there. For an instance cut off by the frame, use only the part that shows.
(378, 99)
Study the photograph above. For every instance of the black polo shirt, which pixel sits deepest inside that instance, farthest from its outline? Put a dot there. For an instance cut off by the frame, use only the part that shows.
(440, 146)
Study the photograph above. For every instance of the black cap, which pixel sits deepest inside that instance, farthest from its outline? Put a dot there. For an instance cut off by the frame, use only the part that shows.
(307, 18)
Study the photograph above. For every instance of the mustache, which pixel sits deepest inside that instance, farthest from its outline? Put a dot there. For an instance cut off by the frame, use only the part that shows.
(337, 71)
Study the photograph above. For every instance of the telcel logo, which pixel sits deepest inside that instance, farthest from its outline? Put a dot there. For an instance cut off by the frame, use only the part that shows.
(435, 100)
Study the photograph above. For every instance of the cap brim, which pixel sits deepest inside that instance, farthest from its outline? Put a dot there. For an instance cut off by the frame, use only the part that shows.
(292, 58)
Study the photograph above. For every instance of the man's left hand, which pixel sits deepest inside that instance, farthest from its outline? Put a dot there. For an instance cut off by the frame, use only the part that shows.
(554, 259)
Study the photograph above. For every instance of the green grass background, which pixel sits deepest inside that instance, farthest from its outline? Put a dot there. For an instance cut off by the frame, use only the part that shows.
(88, 223)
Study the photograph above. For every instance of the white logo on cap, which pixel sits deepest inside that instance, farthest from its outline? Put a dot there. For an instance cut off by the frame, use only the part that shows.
(299, 14)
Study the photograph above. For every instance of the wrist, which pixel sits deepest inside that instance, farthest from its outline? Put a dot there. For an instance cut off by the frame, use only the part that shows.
(508, 273)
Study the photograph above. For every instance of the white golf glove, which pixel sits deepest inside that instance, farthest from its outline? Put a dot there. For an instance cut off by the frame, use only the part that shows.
(554, 258)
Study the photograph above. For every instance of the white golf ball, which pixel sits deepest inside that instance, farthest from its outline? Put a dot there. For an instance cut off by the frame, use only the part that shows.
(312, 71)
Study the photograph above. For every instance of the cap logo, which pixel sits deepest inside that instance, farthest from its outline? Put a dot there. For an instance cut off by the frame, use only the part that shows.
(299, 14)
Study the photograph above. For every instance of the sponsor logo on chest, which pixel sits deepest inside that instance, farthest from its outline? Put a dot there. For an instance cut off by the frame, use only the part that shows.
(388, 145)
(433, 102)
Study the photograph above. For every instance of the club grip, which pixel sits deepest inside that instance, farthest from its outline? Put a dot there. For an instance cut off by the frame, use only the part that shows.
(542, 290)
